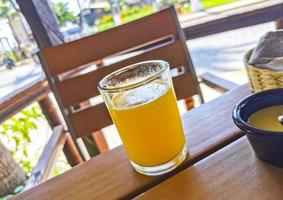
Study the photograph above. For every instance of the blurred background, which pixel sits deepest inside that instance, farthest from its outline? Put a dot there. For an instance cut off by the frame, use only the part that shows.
(26, 133)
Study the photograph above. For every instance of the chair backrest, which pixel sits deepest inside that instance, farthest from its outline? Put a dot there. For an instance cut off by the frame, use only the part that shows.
(73, 72)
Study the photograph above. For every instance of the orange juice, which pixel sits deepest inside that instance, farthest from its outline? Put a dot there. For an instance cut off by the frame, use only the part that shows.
(149, 123)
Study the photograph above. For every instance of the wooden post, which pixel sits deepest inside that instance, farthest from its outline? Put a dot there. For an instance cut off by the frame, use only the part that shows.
(45, 29)
(51, 114)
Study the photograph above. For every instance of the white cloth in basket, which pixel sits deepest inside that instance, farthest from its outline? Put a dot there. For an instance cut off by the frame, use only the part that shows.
(268, 53)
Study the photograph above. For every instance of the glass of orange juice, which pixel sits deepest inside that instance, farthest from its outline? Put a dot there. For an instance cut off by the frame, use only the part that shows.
(143, 106)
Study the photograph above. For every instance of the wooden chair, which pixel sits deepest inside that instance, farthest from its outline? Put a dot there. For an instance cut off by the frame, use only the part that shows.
(75, 68)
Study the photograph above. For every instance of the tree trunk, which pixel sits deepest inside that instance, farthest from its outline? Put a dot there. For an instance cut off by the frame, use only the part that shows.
(15, 37)
(13, 31)
(115, 10)
(11, 174)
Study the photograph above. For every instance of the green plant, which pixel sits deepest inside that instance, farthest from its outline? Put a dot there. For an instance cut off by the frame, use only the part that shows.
(136, 13)
(105, 19)
(9, 54)
(105, 26)
(209, 3)
(63, 13)
(7, 8)
(105, 23)
(129, 11)
(16, 132)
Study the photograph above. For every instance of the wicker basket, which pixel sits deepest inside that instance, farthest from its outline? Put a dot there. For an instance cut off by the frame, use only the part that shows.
(262, 79)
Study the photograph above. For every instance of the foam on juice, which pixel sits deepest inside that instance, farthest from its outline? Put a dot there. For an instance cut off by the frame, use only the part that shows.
(139, 96)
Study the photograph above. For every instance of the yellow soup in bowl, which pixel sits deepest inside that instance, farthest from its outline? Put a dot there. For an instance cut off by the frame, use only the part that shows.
(268, 119)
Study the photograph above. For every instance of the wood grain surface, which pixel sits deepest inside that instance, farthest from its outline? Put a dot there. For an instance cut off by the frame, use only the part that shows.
(233, 172)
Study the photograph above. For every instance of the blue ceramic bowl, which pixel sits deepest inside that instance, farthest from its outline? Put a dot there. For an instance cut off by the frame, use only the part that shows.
(268, 145)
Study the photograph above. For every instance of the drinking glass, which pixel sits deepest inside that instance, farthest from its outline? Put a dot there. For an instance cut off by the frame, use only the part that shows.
(143, 106)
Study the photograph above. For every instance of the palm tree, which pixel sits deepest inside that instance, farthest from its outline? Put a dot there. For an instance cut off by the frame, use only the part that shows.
(11, 174)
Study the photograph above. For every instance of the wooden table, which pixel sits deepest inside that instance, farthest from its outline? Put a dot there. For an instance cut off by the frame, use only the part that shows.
(208, 128)
(234, 172)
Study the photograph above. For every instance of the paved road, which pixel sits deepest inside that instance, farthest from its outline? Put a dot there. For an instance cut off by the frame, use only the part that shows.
(217, 53)
(18, 78)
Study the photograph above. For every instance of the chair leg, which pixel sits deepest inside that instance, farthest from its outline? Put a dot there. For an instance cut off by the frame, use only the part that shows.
(100, 141)
(71, 149)
(189, 103)
(97, 136)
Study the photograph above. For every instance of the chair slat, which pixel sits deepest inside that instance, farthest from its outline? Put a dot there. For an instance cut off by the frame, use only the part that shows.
(97, 117)
(89, 120)
(83, 87)
(184, 86)
(133, 34)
